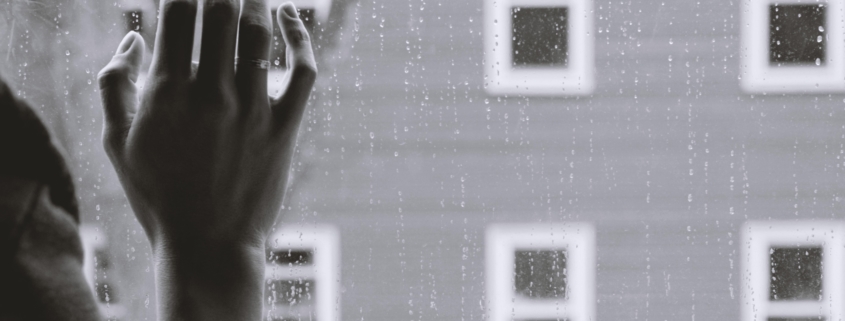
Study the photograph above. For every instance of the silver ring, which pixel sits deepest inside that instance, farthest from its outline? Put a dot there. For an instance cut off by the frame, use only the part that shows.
(257, 63)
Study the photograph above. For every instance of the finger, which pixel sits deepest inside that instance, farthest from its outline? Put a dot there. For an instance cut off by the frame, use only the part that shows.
(255, 31)
(174, 41)
(118, 91)
(301, 66)
(219, 35)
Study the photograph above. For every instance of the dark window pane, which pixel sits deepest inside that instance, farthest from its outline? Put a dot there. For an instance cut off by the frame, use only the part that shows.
(796, 273)
(291, 292)
(277, 55)
(797, 34)
(133, 20)
(285, 257)
(797, 319)
(540, 36)
(540, 274)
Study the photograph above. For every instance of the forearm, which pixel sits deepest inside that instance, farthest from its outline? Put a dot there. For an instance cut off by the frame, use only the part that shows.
(215, 282)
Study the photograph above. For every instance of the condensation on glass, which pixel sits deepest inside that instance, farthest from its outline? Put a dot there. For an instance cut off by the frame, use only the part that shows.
(796, 273)
(540, 36)
(540, 273)
(797, 34)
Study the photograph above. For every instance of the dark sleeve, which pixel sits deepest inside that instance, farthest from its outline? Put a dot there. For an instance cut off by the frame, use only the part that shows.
(40, 253)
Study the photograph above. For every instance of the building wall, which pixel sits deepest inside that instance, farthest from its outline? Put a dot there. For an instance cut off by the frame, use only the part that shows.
(404, 152)
(411, 159)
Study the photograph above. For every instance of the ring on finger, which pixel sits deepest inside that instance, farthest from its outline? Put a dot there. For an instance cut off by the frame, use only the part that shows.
(255, 63)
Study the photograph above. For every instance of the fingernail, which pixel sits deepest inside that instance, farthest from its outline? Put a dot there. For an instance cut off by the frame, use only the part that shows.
(290, 10)
(126, 43)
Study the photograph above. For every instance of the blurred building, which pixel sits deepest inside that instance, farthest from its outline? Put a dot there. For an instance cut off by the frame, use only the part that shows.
(513, 159)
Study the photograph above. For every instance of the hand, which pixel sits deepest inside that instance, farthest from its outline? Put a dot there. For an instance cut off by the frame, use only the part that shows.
(204, 154)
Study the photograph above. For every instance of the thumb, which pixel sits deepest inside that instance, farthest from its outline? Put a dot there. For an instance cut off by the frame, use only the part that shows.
(118, 91)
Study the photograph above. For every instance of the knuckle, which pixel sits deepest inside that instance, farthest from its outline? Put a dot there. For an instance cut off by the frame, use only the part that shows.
(254, 28)
(112, 74)
(297, 36)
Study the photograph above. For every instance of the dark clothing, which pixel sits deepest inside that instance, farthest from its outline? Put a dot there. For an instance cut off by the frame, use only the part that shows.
(41, 255)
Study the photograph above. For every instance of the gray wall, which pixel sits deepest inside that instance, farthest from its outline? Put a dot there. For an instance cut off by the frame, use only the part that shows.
(667, 158)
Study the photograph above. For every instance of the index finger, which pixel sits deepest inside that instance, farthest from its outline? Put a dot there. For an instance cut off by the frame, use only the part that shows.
(174, 41)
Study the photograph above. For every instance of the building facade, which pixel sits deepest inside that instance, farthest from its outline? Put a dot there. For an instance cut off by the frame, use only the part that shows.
(516, 159)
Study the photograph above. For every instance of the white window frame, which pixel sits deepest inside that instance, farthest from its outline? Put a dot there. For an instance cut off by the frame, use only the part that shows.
(92, 240)
(577, 78)
(324, 243)
(758, 238)
(578, 239)
(759, 76)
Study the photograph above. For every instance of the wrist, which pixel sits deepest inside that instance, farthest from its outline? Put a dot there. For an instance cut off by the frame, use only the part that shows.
(215, 281)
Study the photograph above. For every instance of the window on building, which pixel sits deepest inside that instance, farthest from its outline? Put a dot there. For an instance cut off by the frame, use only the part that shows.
(539, 47)
(793, 271)
(541, 271)
(785, 47)
(99, 273)
(303, 274)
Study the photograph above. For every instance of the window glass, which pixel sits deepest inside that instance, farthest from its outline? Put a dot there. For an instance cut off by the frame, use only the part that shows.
(540, 273)
(785, 46)
(796, 273)
(302, 273)
(540, 36)
(133, 20)
(640, 160)
(796, 34)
